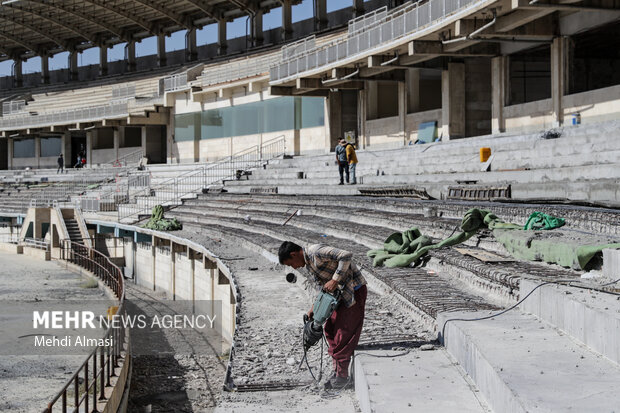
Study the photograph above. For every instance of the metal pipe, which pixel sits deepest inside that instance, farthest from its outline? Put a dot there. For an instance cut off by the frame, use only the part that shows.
(390, 61)
(350, 75)
(473, 34)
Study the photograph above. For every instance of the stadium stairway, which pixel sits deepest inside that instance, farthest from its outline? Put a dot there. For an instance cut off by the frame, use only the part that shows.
(516, 378)
(582, 164)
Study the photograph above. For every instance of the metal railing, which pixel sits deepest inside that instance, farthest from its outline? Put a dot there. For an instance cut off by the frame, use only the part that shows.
(171, 192)
(13, 106)
(114, 109)
(130, 159)
(175, 82)
(299, 47)
(362, 22)
(100, 366)
(229, 72)
(37, 243)
(124, 91)
(398, 23)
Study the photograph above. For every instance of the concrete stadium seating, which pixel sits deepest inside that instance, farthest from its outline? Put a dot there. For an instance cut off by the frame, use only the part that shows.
(582, 164)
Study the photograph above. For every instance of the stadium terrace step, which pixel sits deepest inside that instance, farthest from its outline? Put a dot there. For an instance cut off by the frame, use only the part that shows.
(542, 369)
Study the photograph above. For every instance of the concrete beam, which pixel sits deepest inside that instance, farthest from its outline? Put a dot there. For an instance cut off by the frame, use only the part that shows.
(103, 61)
(153, 118)
(73, 65)
(131, 56)
(161, 50)
(541, 29)
(222, 42)
(464, 48)
(320, 16)
(45, 69)
(519, 17)
(287, 20)
(309, 83)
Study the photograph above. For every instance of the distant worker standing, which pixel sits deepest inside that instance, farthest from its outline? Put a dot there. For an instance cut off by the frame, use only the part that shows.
(61, 164)
(341, 158)
(352, 160)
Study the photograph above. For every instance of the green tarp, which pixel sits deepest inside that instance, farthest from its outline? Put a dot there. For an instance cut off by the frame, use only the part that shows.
(159, 223)
(403, 248)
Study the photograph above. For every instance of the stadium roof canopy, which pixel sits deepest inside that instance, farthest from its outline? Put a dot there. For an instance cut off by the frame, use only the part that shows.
(45, 27)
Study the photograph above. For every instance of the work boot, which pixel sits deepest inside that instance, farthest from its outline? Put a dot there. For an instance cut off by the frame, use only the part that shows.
(337, 383)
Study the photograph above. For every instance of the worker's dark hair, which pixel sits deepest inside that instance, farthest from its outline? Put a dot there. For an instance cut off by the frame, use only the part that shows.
(284, 253)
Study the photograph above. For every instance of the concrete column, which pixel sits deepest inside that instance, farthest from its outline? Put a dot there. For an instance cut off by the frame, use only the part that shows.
(335, 118)
(9, 153)
(169, 137)
(257, 28)
(361, 118)
(37, 151)
(320, 17)
(413, 90)
(559, 75)
(143, 131)
(453, 101)
(45, 69)
(18, 73)
(73, 65)
(287, 20)
(66, 147)
(161, 50)
(89, 146)
(222, 42)
(130, 50)
(402, 110)
(372, 99)
(499, 78)
(358, 8)
(327, 125)
(192, 50)
(118, 131)
(103, 61)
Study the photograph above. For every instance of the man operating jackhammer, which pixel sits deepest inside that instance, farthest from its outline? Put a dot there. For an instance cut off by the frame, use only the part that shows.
(333, 270)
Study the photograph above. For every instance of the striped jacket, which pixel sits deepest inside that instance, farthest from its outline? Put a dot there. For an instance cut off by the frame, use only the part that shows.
(328, 263)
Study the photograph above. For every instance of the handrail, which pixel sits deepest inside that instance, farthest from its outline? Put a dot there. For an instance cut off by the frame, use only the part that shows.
(38, 243)
(400, 22)
(127, 158)
(171, 191)
(104, 359)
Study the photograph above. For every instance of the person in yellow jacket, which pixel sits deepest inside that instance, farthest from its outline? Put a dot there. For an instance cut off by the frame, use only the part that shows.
(352, 159)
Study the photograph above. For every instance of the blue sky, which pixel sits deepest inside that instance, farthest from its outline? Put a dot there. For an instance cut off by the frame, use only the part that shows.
(176, 41)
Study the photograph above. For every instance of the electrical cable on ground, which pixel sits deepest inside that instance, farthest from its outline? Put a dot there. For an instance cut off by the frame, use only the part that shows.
(443, 328)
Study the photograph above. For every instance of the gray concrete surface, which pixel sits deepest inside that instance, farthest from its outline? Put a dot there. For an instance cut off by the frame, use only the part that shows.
(522, 364)
(414, 381)
(28, 382)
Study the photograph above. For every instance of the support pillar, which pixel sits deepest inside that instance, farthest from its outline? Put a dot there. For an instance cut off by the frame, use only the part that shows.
(170, 138)
(73, 65)
(89, 146)
(361, 118)
(45, 70)
(222, 43)
(190, 44)
(257, 28)
(117, 138)
(18, 73)
(9, 153)
(499, 79)
(358, 8)
(453, 101)
(287, 20)
(130, 51)
(37, 151)
(161, 50)
(335, 118)
(402, 111)
(372, 99)
(143, 140)
(103, 61)
(413, 90)
(559, 76)
(320, 16)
